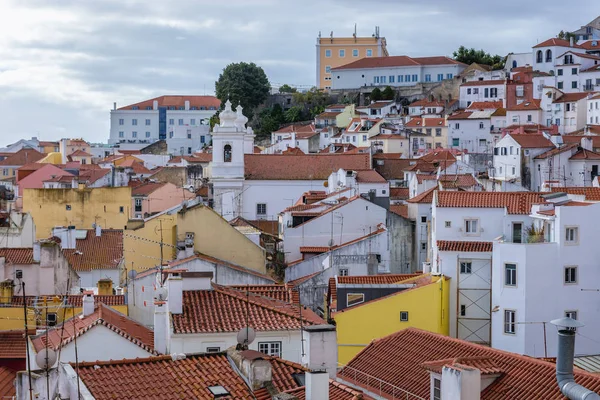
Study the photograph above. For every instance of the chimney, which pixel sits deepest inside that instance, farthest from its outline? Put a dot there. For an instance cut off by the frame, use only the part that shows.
(37, 251)
(461, 383)
(98, 230)
(115, 105)
(161, 327)
(586, 143)
(293, 140)
(567, 327)
(571, 41)
(321, 349)
(6, 291)
(175, 293)
(88, 303)
(317, 385)
(187, 105)
(105, 287)
(253, 365)
(74, 183)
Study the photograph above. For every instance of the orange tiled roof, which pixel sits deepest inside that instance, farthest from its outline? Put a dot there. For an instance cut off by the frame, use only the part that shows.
(464, 246)
(178, 101)
(12, 345)
(163, 378)
(97, 252)
(532, 105)
(298, 128)
(485, 105)
(400, 209)
(277, 292)
(75, 300)
(425, 197)
(399, 193)
(571, 97)
(514, 202)
(457, 181)
(23, 157)
(19, 256)
(486, 365)
(102, 315)
(426, 123)
(532, 140)
(80, 153)
(224, 310)
(584, 154)
(590, 193)
(369, 176)
(556, 42)
(7, 383)
(393, 169)
(426, 103)
(146, 188)
(301, 167)
(404, 353)
(557, 150)
(328, 115)
(396, 61)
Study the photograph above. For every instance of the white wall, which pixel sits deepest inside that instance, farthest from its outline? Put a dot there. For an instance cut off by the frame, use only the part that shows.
(593, 113)
(472, 93)
(472, 134)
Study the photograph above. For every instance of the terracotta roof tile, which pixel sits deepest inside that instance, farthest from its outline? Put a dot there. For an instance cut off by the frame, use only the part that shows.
(328, 115)
(557, 150)
(102, 315)
(7, 383)
(396, 61)
(313, 249)
(97, 252)
(532, 140)
(590, 193)
(80, 153)
(426, 103)
(571, 97)
(485, 105)
(486, 365)
(404, 353)
(417, 122)
(393, 169)
(301, 167)
(457, 181)
(369, 176)
(400, 209)
(19, 256)
(146, 188)
(464, 246)
(425, 197)
(278, 292)
(514, 202)
(399, 193)
(584, 154)
(22, 157)
(298, 128)
(74, 300)
(12, 345)
(556, 42)
(526, 106)
(178, 101)
(162, 378)
(224, 310)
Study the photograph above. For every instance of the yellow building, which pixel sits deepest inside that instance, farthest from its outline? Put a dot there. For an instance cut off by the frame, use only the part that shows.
(212, 236)
(107, 206)
(337, 51)
(49, 147)
(424, 306)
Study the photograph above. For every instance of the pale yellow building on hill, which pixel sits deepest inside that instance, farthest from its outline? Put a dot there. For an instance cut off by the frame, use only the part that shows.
(333, 52)
(212, 235)
(108, 207)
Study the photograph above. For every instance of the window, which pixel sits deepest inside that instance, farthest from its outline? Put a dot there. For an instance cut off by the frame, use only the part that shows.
(193, 121)
(486, 92)
(375, 79)
(449, 76)
(261, 209)
(406, 78)
(121, 134)
(571, 314)
(471, 226)
(403, 316)
(494, 92)
(121, 121)
(571, 235)
(227, 153)
(138, 205)
(121, 209)
(481, 125)
(427, 77)
(342, 53)
(147, 134)
(51, 318)
(510, 274)
(428, 131)
(571, 274)
(189, 150)
(455, 142)
(134, 134)
(440, 77)
(423, 219)
(327, 53)
(463, 310)
(559, 85)
(437, 389)
(392, 77)
(465, 267)
(482, 143)
(529, 118)
(343, 271)
(382, 79)
(180, 121)
(415, 77)
(400, 78)
(355, 53)
(510, 325)
(423, 246)
(270, 348)
(364, 138)
(573, 71)
(353, 299)
(68, 207)
(189, 133)
(476, 91)
(513, 170)
(448, 224)
(574, 85)
(438, 131)
(134, 122)
(369, 53)
(469, 91)
(202, 139)
(213, 349)
(328, 69)
(548, 55)
(538, 57)
(171, 121)
(147, 122)
(456, 125)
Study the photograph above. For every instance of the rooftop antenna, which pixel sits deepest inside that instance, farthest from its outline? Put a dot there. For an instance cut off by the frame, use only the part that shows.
(354, 34)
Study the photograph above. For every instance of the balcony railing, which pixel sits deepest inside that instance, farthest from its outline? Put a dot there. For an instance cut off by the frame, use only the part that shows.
(588, 88)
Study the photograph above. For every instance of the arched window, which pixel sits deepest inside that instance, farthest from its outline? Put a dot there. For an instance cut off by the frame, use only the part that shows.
(548, 55)
(538, 57)
(514, 64)
(227, 153)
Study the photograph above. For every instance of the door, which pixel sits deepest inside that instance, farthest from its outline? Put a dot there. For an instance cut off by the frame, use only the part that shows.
(517, 234)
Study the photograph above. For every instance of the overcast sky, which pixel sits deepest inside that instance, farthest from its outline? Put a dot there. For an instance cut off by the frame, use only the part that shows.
(63, 65)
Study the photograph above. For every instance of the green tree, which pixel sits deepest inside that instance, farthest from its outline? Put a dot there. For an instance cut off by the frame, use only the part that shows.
(294, 114)
(376, 94)
(313, 101)
(214, 120)
(469, 56)
(245, 84)
(285, 88)
(566, 35)
(388, 93)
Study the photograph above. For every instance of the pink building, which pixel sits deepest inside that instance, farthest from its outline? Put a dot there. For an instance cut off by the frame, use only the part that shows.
(149, 198)
(35, 179)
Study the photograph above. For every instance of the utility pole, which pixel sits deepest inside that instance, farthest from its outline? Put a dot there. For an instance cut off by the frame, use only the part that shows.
(27, 343)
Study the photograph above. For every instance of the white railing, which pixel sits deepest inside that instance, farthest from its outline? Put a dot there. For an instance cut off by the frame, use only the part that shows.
(376, 385)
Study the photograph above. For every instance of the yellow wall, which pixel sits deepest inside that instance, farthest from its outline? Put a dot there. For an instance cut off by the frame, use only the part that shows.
(121, 160)
(88, 206)
(52, 158)
(427, 308)
(213, 236)
(7, 172)
(362, 44)
(343, 119)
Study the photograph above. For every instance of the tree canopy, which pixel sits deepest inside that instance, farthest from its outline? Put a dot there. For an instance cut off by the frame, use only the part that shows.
(245, 84)
(388, 93)
(285, 88)
(566, 35)
(376, 94)
(469, 56)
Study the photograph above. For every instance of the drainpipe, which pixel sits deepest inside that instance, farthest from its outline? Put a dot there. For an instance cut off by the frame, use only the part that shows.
(567, 328)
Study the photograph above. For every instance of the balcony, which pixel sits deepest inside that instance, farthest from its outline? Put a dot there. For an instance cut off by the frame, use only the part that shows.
(588, 87)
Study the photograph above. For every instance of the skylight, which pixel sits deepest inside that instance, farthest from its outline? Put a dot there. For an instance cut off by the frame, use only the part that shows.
(218, 391)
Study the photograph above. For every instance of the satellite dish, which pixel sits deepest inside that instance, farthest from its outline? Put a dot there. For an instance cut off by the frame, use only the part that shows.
(246, 336)
(46, 358)
(132, 274)
(161, 293)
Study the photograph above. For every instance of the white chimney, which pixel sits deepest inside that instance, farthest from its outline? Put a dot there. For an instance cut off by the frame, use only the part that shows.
(98, 230)
(161, 326)
(74, 183)
(37, 251)
(321, 349)
(155, 105)
(187, 105)
(571, 41)
(293, 145)
(175, 293)
(115, 105)
(586, 143)
(461, 383)
(88, 304)
(317, 385)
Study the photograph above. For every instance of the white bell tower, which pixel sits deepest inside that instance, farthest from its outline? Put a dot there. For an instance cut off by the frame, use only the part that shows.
(230, 139)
